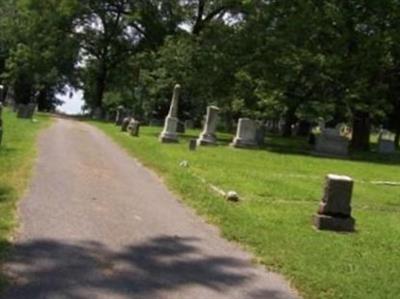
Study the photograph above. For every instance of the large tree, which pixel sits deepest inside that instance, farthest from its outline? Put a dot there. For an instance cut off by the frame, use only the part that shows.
(41, 49)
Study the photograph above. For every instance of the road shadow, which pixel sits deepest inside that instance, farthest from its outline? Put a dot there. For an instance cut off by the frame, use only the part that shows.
(53, 269)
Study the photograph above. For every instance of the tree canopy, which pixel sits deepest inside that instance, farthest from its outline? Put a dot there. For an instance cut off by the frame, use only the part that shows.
(296, 60)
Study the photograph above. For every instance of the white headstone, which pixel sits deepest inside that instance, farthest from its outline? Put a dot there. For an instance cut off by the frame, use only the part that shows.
(386, 143)
(208, 137)
(246, 134)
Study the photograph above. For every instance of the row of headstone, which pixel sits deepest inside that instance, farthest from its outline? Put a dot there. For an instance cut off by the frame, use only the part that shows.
(330, 141)
(124, 119)
(248, 135)
(334, 141)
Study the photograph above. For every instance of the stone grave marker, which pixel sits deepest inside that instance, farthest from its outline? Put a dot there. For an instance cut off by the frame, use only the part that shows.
(125, 123)
(386, 143)
(134, 127)
(334, 212)
(208, 137)
(169, 133)
(331, 142)
(246, 134)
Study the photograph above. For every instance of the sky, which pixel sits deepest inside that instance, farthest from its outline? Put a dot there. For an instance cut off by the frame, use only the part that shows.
(71, 105)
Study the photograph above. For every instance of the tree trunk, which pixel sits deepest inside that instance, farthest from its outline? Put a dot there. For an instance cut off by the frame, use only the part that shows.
(99, 93)
(44, 104)
(22, 91)
(290, 119)
(361, 131)
(304, 128)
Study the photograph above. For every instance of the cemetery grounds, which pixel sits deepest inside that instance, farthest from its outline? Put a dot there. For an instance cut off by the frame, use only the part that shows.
(280, 187)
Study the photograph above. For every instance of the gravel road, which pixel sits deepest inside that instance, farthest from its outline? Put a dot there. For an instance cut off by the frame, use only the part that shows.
(96, 224)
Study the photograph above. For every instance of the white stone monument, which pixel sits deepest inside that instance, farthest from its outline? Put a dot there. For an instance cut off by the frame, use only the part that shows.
(208, 137)
(246, 134)
(386, 142)
(169, 134)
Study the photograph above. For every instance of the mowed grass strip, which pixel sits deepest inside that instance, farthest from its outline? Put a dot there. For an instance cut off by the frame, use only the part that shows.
(281, 186)
(17, 155)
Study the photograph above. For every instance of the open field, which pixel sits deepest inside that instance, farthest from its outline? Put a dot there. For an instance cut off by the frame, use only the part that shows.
(281, 186)
(17, 155)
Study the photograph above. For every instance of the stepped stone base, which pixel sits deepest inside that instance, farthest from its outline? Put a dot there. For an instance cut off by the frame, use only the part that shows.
(325, 222)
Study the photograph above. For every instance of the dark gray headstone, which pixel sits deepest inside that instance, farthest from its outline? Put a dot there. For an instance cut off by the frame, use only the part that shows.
(192, 144)
(334, 212)
(331, 143)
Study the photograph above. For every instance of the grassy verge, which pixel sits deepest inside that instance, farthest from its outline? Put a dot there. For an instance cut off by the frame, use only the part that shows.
(17, 154)
(281, 186)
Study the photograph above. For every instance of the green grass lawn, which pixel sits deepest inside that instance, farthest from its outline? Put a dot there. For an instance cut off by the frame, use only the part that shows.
(17, 154)
(281, 186)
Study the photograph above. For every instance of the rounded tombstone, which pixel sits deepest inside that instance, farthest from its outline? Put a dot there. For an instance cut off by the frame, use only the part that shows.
(125, 123)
